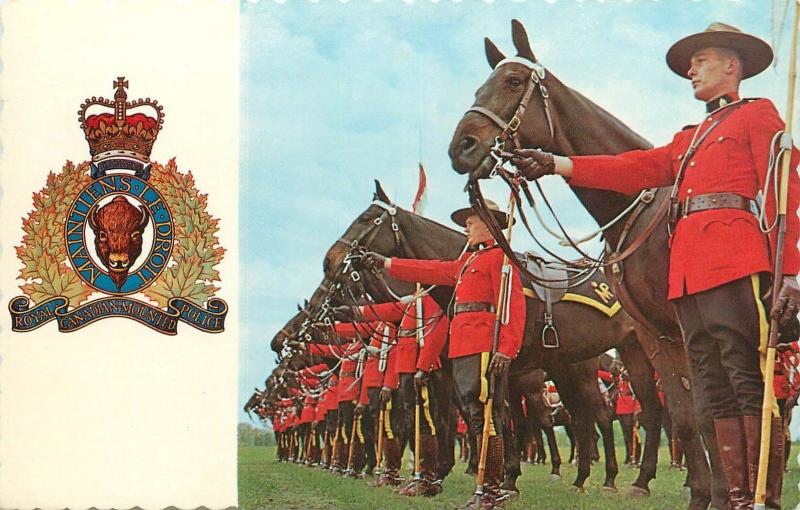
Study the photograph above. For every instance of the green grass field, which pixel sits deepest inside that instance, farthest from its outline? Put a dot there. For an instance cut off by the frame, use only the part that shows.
(263, 483)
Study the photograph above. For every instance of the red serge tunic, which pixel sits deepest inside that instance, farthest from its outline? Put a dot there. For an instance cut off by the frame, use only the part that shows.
(330, 399)
(476, 278)
(713, 247)
(383, 336)
(435, 326)
(348, 389)
(309, 411)
(626, 403)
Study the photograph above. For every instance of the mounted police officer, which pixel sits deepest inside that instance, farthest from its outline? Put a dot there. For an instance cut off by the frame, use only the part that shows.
(476, 276)
(719, 255)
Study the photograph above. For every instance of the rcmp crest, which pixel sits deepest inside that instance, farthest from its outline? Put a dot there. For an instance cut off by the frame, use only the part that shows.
(116, 227)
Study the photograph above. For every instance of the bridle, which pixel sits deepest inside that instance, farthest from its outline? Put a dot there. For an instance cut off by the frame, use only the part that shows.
(510, 129)
(510, 133)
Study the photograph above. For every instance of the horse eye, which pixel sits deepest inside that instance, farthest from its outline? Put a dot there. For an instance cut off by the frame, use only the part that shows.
(514, 81)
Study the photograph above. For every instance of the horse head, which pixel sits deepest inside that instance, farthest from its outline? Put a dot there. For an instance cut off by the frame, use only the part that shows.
(380, 228)
(497, 104)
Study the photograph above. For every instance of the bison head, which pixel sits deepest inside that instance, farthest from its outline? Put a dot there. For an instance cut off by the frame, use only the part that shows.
(118, 228)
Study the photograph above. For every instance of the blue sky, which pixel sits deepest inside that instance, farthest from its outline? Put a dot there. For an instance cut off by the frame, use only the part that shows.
(337, 94)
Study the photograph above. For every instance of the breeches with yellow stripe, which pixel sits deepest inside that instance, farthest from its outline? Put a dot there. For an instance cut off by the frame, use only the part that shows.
(472, 386)
(723, 330)
(428, 407)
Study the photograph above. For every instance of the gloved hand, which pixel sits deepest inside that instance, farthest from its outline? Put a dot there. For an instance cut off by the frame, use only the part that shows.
(359, 410)
(295, 344)
(420, 379)
(343, 313)
(499, 364)
(373, 351)
(386, 394)
(372, 260)
(785, 307)
(533, 163)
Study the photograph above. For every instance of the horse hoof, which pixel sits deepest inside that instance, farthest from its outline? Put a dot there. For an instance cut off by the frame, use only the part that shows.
(581, 490)
(555, 478)
(610, 489)
(638, 492)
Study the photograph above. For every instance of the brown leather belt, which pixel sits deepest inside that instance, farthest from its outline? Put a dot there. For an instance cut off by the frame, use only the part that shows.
(342, 375)
(714, 201)
(475, 306)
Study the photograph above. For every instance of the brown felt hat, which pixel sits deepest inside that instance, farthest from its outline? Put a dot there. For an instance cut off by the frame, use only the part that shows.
(460, 216)
(756, 54)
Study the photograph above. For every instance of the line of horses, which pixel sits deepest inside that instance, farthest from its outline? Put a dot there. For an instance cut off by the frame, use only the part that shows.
(644, 332)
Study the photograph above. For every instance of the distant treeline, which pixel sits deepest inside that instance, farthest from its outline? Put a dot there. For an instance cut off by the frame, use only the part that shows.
(252, 436)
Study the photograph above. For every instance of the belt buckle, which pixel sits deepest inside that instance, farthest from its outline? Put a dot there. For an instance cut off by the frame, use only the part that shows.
(685, 211)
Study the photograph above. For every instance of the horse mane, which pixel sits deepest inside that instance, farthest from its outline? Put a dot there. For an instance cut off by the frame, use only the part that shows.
(587, 128)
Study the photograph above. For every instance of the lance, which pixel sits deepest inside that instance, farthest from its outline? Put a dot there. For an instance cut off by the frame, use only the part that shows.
(382, 405)
(769, 391)
(352, 444)
(325, 453)
(379, 453)
(498, 321)
(310, 442)
(335, 448)
(418, 391)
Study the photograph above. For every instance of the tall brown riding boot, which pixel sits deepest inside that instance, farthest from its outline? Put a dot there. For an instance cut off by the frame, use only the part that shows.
(777, 463)
(357, 465)
(393, 456)
(493, 476)
(429, 449)
(732, 443)
(776, 467)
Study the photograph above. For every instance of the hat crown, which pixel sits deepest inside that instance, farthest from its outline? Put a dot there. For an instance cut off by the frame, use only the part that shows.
(722, 27)
(491, 205)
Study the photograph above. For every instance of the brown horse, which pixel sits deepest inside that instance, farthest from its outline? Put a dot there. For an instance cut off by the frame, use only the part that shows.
(568, 123)
(585, 333)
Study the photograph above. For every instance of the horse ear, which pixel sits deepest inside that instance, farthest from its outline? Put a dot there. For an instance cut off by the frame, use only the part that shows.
(306, 304)
(380, 194)
(520, 38)
(493, 55)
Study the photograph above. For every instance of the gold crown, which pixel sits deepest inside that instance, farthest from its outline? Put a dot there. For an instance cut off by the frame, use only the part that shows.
(122, 139)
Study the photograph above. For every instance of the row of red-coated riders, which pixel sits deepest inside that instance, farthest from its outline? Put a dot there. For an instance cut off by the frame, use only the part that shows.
(384, 394)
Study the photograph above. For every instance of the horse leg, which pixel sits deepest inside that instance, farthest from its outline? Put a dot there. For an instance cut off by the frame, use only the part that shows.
(555, 456)
(690, 416)
(442, 385)
(641, 375)
(609, 451)
(570, 431)
(583, 423)
(513, 438)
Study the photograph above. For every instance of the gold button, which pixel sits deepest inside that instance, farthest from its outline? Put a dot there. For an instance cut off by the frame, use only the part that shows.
(680, 156)
(691, 164)
(689, 191)
(720, 138)
(709, 119)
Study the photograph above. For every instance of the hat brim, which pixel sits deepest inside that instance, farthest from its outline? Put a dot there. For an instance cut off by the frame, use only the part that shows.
(460, 216)
(756, 54)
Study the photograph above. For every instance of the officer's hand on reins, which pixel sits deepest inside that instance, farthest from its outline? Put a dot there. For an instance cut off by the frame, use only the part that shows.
(372, 260)
(499, 364)
(386, 394)
(533, 163)
(344, 313)
(785, 307)
(420, 379)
